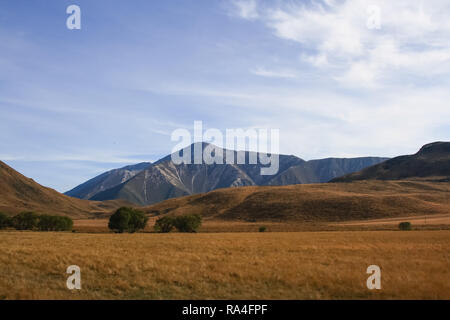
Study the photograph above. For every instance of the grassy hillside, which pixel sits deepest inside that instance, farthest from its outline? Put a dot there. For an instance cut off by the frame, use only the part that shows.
(319, 202)
(432, 162)
(19, 193)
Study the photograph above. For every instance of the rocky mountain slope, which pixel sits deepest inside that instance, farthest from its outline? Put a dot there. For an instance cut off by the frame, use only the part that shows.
(106, 181)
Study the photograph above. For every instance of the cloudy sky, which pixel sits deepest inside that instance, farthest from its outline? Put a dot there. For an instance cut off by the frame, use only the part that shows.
(336, 80)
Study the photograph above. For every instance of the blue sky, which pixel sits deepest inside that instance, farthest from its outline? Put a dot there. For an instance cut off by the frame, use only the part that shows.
(75, 103)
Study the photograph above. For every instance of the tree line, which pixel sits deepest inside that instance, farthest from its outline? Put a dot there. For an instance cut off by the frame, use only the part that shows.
(125, 219)
(32, 221)
(132, 220)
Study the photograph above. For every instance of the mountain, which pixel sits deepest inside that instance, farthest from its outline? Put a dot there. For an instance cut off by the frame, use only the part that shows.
(19, 193)
(323, 170)
(326, 202)
(432, 162)
(106, 181)
(164, 179)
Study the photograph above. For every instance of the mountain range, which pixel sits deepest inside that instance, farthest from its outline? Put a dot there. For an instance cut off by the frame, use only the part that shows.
(403, 186)
(149, 183)
(423, 189)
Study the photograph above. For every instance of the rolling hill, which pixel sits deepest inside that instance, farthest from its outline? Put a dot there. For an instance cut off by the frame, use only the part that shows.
(164, 180)
(432, 162)
(328, 202)
(19, 193)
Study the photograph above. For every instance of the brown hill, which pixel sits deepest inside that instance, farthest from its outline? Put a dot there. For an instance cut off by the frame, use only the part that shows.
(432, 162)
(315, 203)
(19, 193)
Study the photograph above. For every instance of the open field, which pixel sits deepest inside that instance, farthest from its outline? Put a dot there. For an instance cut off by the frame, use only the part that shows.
(437, 219)
(431, 222)
(295, 265)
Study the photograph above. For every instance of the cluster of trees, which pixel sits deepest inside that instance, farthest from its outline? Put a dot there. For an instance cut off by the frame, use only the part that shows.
(184, 223)
(33, 221)
(127, 219)
(131, 220)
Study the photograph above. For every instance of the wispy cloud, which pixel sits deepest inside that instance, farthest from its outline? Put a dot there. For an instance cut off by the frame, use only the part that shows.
(246, 9)
(274, 74)
(413, 39)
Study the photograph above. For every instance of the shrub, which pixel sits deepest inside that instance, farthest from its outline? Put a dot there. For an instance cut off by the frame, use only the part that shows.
(118, 222)
(127, 219)
(5, 221)
(262, 229)
(184, 223)
(404, 226)
(138, 220)
(187, 223)
(164, 224)
(25, 221)
(54, 223)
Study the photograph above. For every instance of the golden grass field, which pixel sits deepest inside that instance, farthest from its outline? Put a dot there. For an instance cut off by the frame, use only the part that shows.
(273, 265)
(430, 222)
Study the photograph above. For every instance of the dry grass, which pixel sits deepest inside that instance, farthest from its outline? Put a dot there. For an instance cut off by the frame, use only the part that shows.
(433, 222)
(436, 219)
(309, 265)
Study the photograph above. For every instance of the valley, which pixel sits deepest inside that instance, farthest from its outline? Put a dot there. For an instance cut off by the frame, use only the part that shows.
(318, 239)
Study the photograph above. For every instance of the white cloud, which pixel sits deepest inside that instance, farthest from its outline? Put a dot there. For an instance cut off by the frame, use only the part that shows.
(414, 38)
(246, 9)
(320, 122)
(274, 74)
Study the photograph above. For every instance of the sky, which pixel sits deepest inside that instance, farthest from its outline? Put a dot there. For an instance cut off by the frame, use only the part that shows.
(337, 78)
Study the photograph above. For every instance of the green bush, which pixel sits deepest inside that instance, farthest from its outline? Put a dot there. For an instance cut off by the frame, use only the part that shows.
(262, 229)
(164, 224)
(118, 222)
(5, 221)
(184, 223)
(127, 219)
(25, 221)
(404, 226)
(138, 221)
(54, 223)
(187, 223)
